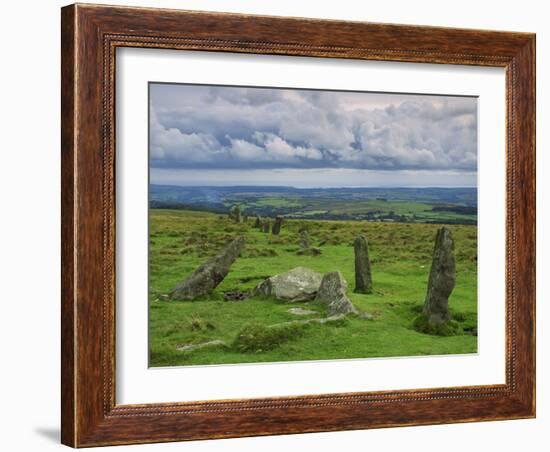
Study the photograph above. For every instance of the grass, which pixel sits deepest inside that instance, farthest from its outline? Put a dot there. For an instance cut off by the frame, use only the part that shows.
(422, 325)
(400, 256)
(257, 337)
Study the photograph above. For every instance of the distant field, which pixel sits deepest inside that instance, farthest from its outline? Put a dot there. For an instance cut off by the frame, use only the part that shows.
(400, 253)
(372, 210)
(421, 205)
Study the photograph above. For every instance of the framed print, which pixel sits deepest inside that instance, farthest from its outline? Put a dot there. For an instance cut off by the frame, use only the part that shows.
(281, 225)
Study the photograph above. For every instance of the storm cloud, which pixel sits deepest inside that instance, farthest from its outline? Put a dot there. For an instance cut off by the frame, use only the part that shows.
(216, 128)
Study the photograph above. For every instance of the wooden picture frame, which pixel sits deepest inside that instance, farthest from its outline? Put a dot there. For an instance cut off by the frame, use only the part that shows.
(90, 36)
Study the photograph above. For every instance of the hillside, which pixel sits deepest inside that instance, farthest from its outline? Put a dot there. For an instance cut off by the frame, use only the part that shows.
(404, 205)
(400, 255)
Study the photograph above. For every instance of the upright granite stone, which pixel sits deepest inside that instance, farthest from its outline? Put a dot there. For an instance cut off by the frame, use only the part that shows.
(298, 284)
(304, 240)
(235, 214)
(207, 277)
(277, 225)
(363, 277)
(258, 222)
(442, 279)
(332, 293)
(305, 246)
(265, 226)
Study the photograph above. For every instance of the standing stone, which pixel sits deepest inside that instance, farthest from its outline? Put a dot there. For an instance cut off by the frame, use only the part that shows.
(305, 246)
(235, 214)
(245, 218)
(258, 222)
(277, 225)
(304, 240)
(363, 277)
(265, 226)
(442, 279)
(210, 274)
(332, 293)
(238, 215)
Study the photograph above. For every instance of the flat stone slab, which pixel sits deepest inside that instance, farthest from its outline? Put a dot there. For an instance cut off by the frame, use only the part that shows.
(191, 347)
(319, 320)
(301, 311)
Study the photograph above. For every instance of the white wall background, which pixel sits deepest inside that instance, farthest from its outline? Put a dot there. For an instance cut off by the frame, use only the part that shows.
(29, 225)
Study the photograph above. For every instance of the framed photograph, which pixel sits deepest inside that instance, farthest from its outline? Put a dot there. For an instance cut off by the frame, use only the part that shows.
(281, 225)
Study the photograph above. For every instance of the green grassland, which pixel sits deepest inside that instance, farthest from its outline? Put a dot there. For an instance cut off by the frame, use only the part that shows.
(400, 257)
(372, 209)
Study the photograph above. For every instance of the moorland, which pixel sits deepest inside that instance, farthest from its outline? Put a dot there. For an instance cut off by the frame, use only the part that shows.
(196, 226)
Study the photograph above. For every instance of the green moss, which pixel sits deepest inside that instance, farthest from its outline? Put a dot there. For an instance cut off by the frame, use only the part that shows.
(450, 328)
(341, 321)
(197, 323)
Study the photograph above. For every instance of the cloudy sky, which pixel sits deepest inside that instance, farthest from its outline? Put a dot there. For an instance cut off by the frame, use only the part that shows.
(215, 135)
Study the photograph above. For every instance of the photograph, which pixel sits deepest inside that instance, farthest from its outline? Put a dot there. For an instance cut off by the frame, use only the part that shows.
(276, 220)
(291, 224)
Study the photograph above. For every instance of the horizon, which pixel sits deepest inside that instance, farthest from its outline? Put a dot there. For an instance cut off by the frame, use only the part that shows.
(316, 187)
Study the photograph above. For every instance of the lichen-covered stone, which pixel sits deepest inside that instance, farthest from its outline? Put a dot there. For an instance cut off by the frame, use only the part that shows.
(304, 240)
(298, 284)
(442, 279)
(210, 274)
(235, 214)
(258, 222)
(332, 293)
(301, 311)
(277, 225)
(265, 226)
(209, 344)
(363, 276)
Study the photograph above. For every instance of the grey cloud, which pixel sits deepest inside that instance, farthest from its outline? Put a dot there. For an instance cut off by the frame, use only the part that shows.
(229, 127)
